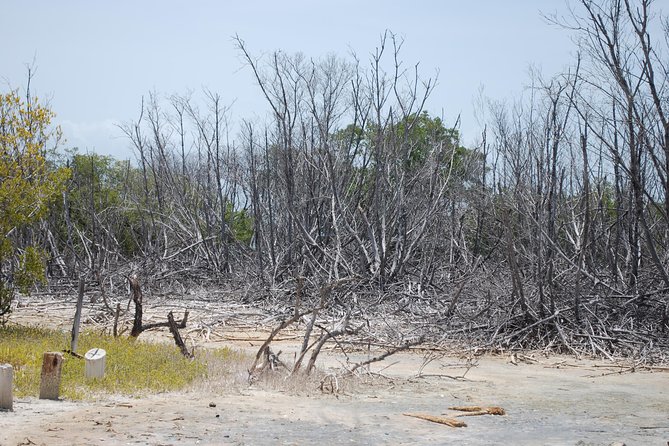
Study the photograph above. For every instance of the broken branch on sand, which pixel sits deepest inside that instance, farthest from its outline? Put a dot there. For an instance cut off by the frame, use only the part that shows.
(436, 419)
(390, 352)
(478, 410)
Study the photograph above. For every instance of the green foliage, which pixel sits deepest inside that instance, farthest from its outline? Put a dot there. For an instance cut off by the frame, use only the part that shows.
(28, 185)
(415, 139)
(410, 143)
(31, 269)
(422, 135)
(133, 367)
(98, 180)
(354, 138)
(242, 224)
(608, 204)
(97, 196)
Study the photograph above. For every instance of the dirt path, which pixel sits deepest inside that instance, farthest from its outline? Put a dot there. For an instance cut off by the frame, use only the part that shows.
(552, 401)
(572, 404)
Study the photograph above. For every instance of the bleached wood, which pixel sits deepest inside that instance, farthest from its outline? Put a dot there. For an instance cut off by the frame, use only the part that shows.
(77, 317)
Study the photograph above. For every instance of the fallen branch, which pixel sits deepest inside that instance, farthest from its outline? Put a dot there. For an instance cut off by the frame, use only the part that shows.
(74, 354)
(529, 327)
(390, 352)
(478, 410)
(177, 337)
(435, 419)
(138, 326)
(296, 317)
(181, 324)
(271, 361)
(323, 339)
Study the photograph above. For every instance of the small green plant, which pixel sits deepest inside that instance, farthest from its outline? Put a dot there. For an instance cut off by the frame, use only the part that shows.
(133, 367)
(31, 269)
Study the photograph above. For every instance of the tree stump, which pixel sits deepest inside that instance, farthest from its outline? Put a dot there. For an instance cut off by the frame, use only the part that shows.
(52, 364)
(95, 363)
(137, 298)
(6, 384)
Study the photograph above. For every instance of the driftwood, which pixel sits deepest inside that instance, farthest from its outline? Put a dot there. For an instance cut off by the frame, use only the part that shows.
(341, 329)
(471, 411)
(324, 338)
(436, 419)
(180, 324)
(271, 361)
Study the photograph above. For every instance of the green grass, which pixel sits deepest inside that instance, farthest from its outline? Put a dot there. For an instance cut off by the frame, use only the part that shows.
(133, 367)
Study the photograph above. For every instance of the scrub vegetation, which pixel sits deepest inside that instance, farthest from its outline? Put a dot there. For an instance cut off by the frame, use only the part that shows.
(352, 200)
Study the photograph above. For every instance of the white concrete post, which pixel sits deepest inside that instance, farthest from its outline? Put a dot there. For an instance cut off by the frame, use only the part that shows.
(95, 363)
(6, 384)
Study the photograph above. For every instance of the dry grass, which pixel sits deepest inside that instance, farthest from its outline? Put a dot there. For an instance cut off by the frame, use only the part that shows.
(133, 367)
(225, 370)
(329, 382)
(138, 367)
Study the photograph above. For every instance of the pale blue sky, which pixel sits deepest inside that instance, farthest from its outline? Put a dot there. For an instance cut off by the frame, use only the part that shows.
(95, 59)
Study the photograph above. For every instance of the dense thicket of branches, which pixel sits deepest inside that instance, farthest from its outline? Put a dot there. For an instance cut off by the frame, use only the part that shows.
(553, 230)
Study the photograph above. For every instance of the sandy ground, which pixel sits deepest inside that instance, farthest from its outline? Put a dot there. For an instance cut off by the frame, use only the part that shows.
(549, 401)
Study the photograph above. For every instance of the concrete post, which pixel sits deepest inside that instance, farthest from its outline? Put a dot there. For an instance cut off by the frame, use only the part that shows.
(6, 385)
(95, 363)
(52, 364)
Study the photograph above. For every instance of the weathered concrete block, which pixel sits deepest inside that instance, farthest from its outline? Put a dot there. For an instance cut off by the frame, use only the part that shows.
(6, 386)
(52, 365)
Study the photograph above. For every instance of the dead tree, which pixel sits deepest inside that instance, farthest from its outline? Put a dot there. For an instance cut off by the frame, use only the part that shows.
(138, 327)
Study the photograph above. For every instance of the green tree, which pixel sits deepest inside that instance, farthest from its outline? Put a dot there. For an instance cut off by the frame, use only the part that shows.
(423, 136)
(415, 138)
(28, 184)
(241, 224)
(98, 199)
(414, 141)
